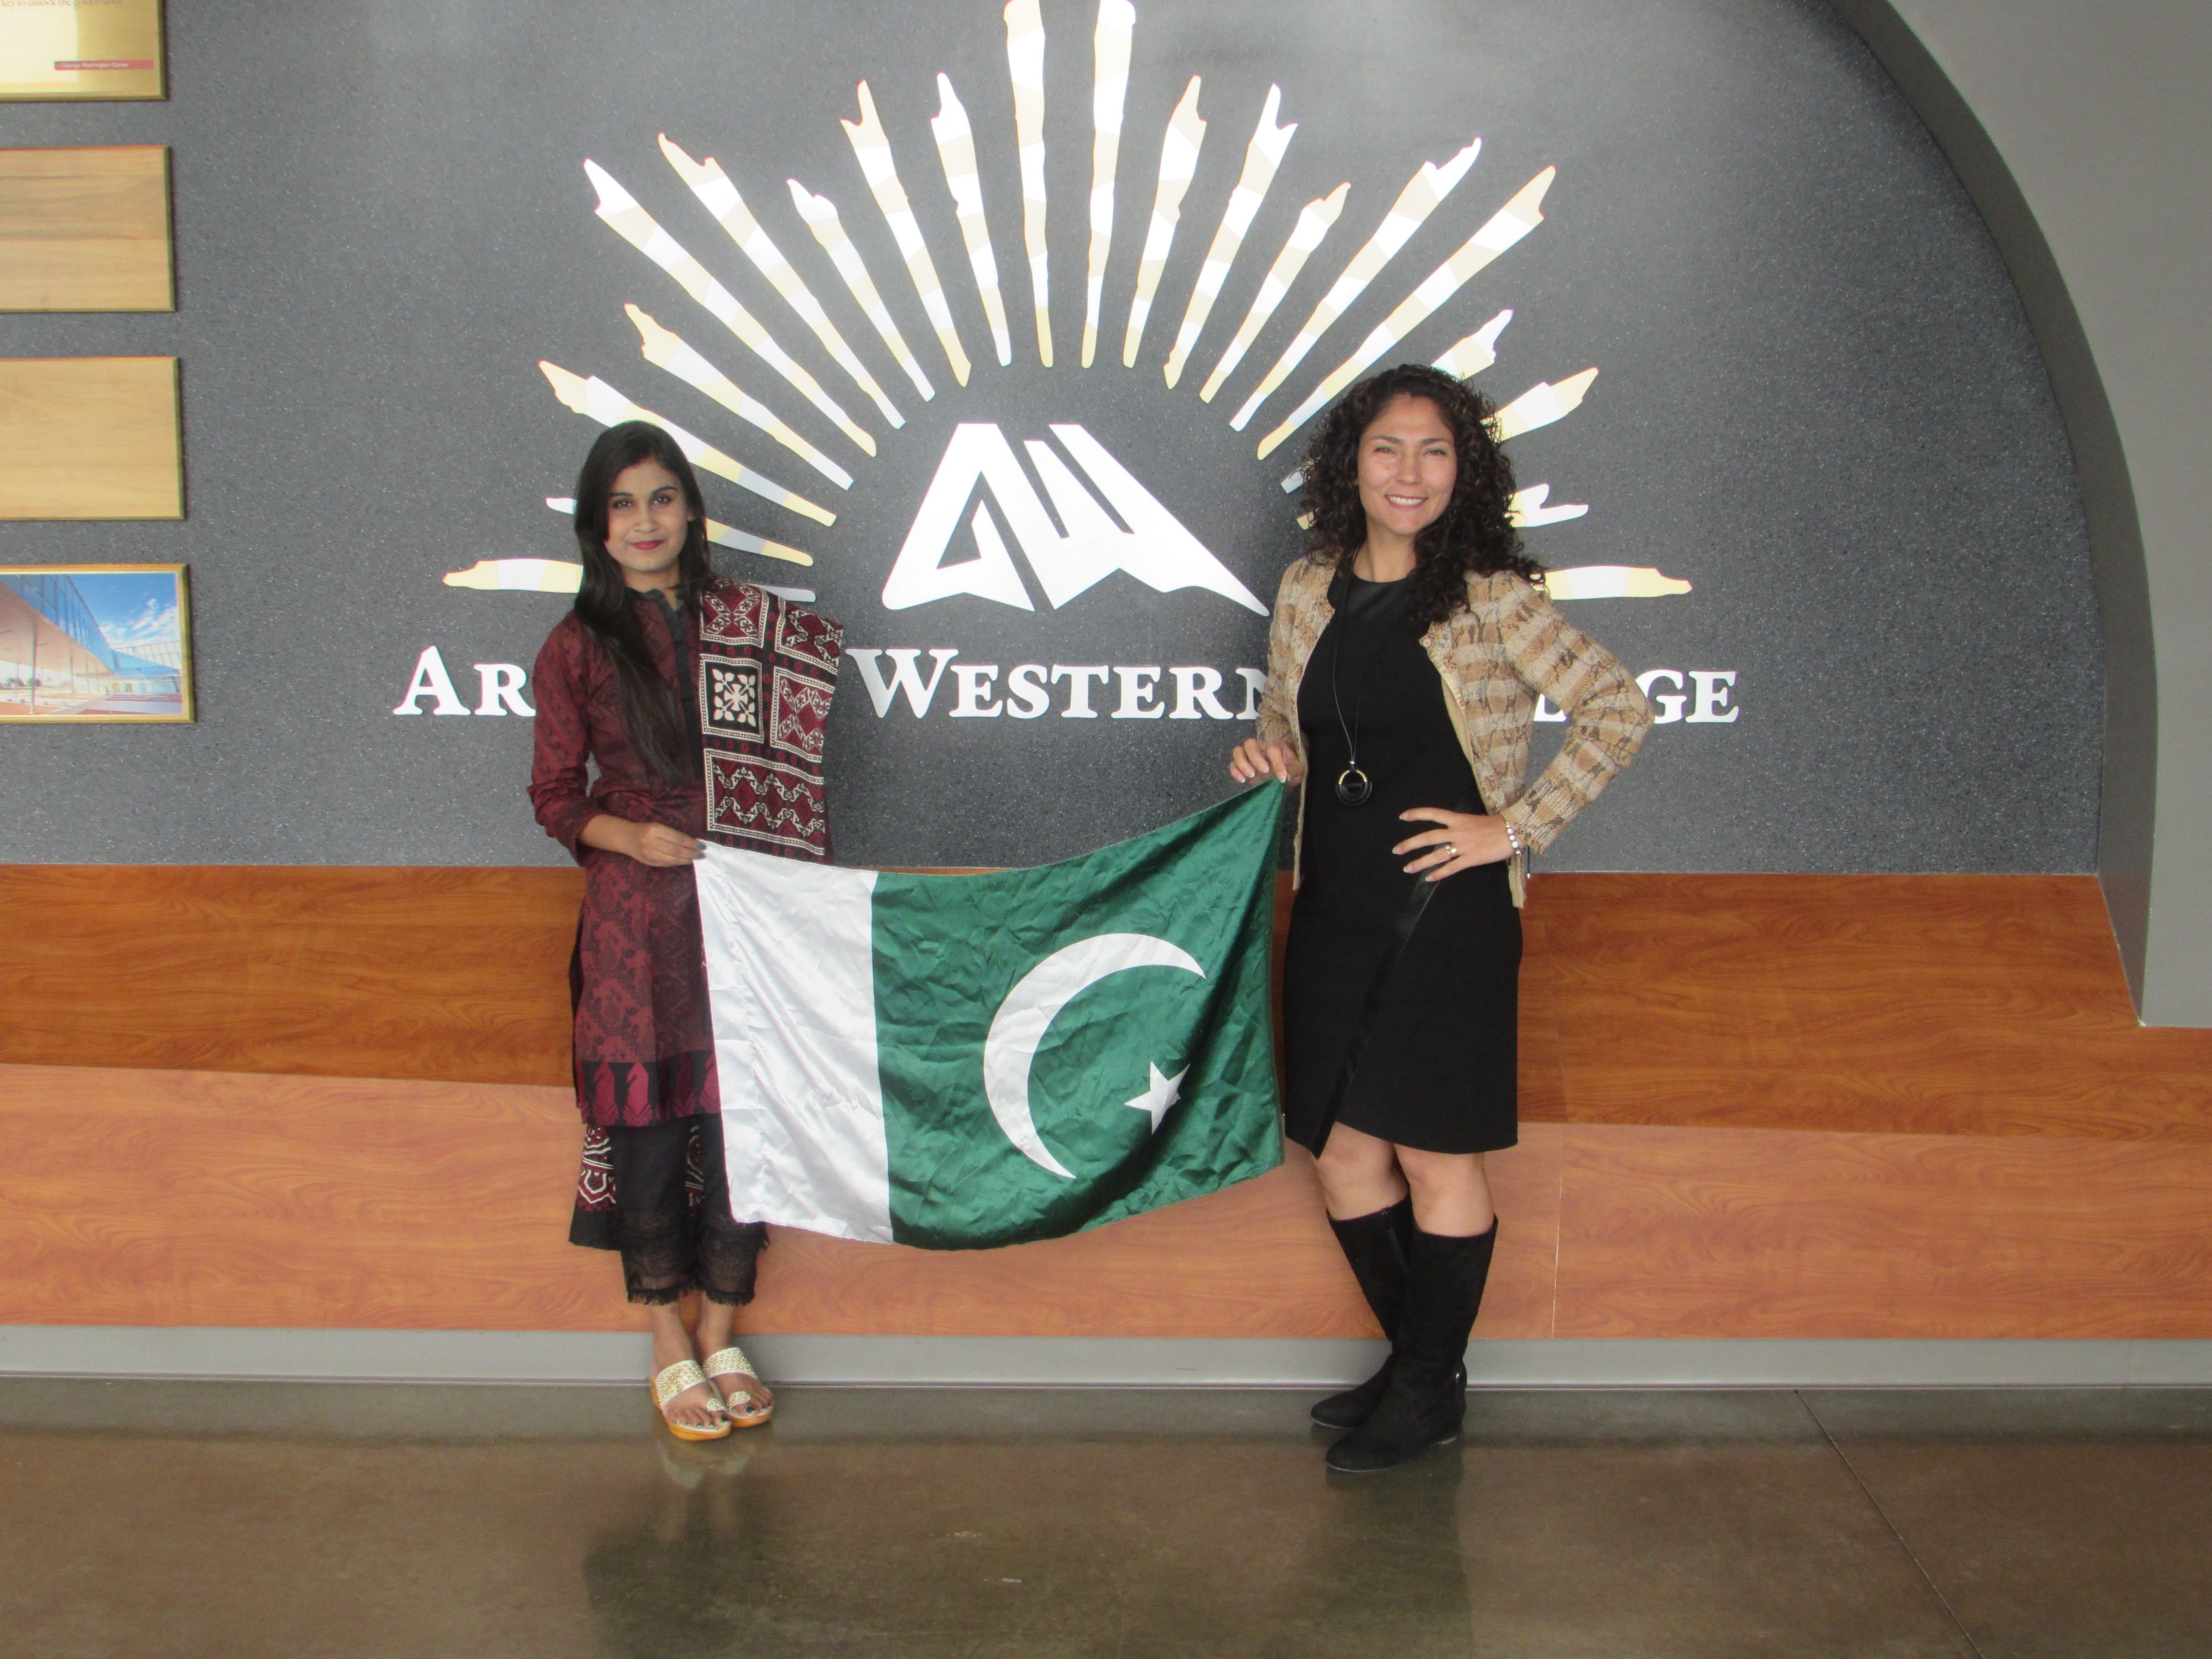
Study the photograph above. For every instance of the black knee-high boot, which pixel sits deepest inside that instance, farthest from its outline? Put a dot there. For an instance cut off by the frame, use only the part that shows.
(1425, 1399)
(1375, 1244)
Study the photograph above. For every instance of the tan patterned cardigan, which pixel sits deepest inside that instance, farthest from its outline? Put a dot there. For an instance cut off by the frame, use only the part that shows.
(1509, 646)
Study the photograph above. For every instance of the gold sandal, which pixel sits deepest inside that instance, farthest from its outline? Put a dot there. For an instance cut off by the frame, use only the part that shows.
(686, 1374)
(731, 1362)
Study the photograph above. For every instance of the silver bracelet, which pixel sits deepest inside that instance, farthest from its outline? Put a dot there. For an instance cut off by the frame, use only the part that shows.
(1513, 839)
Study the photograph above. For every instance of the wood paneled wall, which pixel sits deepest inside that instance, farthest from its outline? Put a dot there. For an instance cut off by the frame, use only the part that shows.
(1967, 1005)
(170, 1198)
(460, 975)
(334, 1097)
(86, 229)
(1927, 1004)
(90, 438)
(1795, 1233)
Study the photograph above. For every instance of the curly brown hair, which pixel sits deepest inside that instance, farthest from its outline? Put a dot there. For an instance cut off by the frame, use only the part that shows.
(1472, 537)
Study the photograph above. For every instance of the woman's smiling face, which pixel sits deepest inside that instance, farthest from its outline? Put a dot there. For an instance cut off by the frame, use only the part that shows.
(1408, 465)
(647, 522)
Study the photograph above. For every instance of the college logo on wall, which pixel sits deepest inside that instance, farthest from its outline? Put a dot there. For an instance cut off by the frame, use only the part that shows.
(1019, 510)
(1155, 549)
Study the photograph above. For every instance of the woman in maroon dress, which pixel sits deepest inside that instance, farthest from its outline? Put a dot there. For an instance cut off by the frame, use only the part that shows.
(619, 682)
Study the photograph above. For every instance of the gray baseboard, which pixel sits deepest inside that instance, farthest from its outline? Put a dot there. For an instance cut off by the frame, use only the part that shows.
(565, 1357)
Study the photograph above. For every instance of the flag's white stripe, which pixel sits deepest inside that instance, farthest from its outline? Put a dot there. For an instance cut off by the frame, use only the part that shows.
(791, 981)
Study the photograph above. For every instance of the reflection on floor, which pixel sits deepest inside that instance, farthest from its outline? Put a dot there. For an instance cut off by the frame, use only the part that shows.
(239, 1520)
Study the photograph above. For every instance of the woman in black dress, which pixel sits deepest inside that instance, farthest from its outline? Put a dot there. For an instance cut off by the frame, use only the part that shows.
(1409, 651)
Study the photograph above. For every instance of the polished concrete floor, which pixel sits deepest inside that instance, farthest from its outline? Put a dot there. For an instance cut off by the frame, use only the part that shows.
(165, 1520)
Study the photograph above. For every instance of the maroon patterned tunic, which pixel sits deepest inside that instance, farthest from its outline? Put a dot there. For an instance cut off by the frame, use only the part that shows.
(761, 672)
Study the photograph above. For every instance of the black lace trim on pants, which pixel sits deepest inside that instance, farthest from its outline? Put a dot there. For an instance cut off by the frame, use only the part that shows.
(659, 1193)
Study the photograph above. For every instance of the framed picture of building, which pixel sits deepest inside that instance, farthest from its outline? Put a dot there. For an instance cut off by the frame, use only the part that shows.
(95, 643)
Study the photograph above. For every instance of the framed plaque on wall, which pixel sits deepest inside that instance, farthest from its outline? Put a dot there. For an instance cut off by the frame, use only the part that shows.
(71, 49)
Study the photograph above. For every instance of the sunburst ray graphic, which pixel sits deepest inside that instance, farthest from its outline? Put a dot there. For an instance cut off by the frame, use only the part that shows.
(873, 145)
(1179, 149)
(719, 197)
(1262, 157)
(956, 148)
(1178, 164)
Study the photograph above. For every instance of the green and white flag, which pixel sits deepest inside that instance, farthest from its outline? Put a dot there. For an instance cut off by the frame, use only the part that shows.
(957, 1062)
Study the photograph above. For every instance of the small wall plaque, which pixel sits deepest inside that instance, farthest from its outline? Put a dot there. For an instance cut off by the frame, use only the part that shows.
(71, 49)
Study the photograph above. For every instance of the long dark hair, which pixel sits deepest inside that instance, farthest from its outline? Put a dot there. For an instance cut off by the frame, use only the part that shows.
(1472, 537)
(650, 714)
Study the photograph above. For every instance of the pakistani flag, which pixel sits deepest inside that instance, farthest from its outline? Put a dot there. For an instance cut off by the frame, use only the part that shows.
(956, 1061)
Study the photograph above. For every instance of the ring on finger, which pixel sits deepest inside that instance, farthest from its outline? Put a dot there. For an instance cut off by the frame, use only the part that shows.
(1450, 851)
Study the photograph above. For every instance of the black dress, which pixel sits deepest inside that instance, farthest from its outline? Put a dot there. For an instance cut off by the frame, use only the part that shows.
(1437, 1069)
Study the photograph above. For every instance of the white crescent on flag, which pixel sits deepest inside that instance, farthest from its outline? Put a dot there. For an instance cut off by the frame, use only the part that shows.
(1031, 1006)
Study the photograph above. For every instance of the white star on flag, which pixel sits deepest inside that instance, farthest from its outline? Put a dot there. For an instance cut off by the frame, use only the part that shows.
(1160, 1094)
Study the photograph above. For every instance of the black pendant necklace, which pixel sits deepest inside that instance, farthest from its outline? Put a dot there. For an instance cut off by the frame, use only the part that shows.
(1353, 787)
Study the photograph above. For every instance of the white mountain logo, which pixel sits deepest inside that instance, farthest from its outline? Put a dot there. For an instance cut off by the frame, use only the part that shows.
(1156, 549)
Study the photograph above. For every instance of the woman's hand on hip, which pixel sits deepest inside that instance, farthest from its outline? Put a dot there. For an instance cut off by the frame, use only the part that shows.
(1461, 842)
(1252, 760)
(652, 844)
